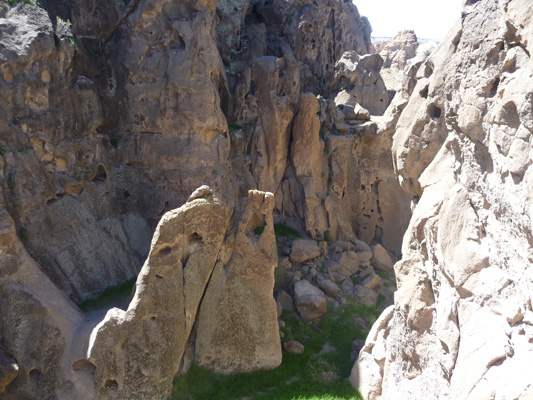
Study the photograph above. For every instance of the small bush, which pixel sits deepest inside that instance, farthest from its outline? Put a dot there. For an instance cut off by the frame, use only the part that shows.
(114, 142)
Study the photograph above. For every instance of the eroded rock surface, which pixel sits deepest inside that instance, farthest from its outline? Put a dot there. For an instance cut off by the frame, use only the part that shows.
(399, 50)
(461, 324)
(194, 273)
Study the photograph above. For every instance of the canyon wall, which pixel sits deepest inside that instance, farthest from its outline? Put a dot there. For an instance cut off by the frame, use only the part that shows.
(461, 326)
(112, 114)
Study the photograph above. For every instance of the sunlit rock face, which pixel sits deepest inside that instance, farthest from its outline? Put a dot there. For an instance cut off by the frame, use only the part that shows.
(399, 50)
(201, 287)
(462, 323)
(111, 115)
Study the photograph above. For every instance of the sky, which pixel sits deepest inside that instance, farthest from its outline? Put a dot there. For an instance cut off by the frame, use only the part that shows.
(430, 19)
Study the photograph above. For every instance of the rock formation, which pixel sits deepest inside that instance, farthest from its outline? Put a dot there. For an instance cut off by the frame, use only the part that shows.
(112, 114)
(399, 50)
(461, 326)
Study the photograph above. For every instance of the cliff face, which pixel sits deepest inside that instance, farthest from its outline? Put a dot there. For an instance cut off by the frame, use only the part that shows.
(461, 326)
(117, 118)
(112, 114)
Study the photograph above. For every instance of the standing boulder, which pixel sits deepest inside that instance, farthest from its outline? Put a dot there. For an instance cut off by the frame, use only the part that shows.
(238, 327)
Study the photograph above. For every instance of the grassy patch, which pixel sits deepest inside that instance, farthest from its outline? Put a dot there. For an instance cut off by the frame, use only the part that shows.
(109, 297)
(280, 230)
(14, 2)
(114, 142)
(383, 275)
(284, 230)
(309, 376)
(233, 127)
(327, 237)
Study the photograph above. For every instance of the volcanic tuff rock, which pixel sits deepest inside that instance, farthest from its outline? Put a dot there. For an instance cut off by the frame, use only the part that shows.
(397, 51)
(196, 265)
(461, 326)
(112, 121)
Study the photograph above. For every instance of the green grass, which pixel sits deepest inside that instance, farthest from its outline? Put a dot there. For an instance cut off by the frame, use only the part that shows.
(233, 127)
(284, 230)
(383, 275)
(308, 376)
(280, 230)
(13, 2)
(109, 297)
(327, 237)
(114, 142)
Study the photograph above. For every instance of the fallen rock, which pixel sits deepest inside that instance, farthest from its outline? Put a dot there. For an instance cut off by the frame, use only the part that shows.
(304, 250)
(382, 259)
(365, 256)
(341, 246)
(365, 273)
(309, 300)
(347, 287)
(366, 296)
(293, 347)
(372, 282)
(328, 287)
(348, 263)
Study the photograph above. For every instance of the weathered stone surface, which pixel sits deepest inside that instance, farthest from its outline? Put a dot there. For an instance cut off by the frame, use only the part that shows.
(366, 296)
(381, 259)
(237, 327)
(359, 76)
(309, 300)
(293, 347)
(183, 255)
(192, 269)
(464, 277)
(310, 163)
(371, 282)
(328, 287)
(9, 369)
(304, 250)
(341, 29)
(36, 324)
(397, 51)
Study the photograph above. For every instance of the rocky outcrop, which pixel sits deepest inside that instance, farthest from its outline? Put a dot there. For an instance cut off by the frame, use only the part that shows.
(194, 275)
(9, 369)
(358, 81)
(36, 323)
(111, 121)
(237, 325)
(462, 314)
(399, 50)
